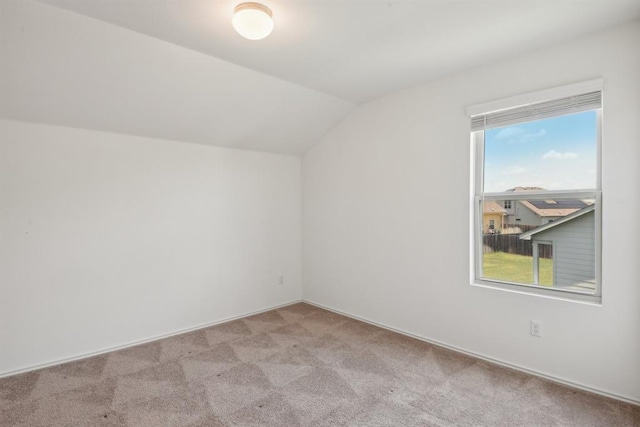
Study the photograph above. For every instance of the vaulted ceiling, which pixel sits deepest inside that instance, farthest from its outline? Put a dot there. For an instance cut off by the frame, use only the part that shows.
(177, 70)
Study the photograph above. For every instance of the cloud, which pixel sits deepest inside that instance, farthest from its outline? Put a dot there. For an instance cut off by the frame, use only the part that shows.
(514, 170)
(539, 134)
(509, 132)
(515, 134)
(556, 155)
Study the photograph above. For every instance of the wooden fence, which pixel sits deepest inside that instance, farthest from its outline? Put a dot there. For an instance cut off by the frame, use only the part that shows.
(511, 244)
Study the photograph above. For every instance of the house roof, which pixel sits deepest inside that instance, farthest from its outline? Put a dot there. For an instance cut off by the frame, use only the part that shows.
(518, 189)
(577, 214)
(550, 208)
(554, 208)
(490, 206)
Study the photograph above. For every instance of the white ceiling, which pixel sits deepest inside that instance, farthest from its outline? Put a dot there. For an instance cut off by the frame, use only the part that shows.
(65, 69)
(175, 69)
(359, 50)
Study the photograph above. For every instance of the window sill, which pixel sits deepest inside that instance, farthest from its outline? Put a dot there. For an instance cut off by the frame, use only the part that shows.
(594, 300)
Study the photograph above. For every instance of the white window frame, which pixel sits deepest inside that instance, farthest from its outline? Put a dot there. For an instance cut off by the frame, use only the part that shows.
(478, 196)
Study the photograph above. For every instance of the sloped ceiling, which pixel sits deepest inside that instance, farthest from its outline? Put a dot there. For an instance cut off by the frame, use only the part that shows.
(65, 69)
(177, 70)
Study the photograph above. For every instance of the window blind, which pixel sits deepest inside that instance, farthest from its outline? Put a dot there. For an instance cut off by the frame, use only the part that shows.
(542, 110)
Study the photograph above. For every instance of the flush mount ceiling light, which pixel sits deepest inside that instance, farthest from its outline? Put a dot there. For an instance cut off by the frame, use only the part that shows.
(252, 21)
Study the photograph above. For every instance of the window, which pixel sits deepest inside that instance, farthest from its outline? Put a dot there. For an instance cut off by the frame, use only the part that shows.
(540, 162)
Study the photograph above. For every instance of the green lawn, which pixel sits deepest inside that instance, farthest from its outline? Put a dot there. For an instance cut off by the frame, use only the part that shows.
(515, 268)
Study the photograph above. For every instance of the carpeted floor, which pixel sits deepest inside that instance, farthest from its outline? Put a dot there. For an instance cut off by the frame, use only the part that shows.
(298, 365)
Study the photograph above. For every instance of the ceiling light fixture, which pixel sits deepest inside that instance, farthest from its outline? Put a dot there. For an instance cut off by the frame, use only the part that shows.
(252, 20)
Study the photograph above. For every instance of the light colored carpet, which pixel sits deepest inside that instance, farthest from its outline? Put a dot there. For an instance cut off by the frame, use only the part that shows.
(296, 366)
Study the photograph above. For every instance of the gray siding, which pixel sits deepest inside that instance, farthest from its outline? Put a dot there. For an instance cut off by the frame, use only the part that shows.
(526, 215)
(574, 251)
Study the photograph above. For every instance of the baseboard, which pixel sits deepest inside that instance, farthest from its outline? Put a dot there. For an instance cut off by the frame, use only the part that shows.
(492, 360)
(144, 341)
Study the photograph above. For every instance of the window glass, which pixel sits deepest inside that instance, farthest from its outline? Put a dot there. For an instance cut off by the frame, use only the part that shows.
(549, 247)
(559, 153)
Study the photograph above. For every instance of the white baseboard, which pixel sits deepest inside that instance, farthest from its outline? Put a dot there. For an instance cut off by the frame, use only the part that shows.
(134, 343)
(492, 360)
(430, 341)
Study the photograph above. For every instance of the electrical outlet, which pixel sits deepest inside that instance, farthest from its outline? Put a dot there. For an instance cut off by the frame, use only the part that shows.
(535, 328)
(281, 280)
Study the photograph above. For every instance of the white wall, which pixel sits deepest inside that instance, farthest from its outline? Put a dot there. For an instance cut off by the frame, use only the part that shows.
(386, 220)
(107, 239)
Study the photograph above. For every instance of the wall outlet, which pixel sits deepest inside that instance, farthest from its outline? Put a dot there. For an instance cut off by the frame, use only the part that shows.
(535, 328)
(281, 280)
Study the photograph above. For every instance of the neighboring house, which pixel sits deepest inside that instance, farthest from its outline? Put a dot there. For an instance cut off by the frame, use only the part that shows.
(538, 212)
(492, 217)
(572, 239)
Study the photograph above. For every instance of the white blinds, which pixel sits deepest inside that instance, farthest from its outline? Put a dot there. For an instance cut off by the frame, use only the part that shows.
(542, 110)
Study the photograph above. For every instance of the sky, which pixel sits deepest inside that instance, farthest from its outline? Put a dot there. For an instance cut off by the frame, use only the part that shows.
(559, 153)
